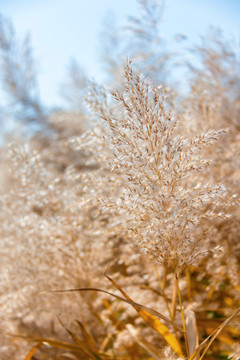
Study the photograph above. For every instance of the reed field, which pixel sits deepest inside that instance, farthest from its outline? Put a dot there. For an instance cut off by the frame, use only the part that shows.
(120, 217)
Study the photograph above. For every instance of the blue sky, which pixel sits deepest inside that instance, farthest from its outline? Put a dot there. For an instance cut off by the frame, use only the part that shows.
(63, 29)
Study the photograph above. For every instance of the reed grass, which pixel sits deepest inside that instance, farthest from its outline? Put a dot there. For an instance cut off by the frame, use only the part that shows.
(120, 226)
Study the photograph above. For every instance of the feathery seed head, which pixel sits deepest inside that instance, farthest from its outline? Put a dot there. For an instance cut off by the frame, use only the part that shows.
(161, 204)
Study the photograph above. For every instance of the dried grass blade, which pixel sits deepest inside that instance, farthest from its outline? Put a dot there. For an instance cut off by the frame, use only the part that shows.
(209, 340)
(192, 331)
(152, 321)
(161, 329)
(151, 311)
(154, 352)
(87, 337)
(73, 336)
(92, 354)
(223, 336)
(57, 344)
(212, 324)
(32, 351)
(131, 302)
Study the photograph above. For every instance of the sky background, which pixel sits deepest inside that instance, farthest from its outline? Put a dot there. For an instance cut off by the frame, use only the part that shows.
(65, 29)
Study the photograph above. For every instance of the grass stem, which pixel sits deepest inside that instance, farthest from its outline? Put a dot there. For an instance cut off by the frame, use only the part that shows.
(182, 315)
